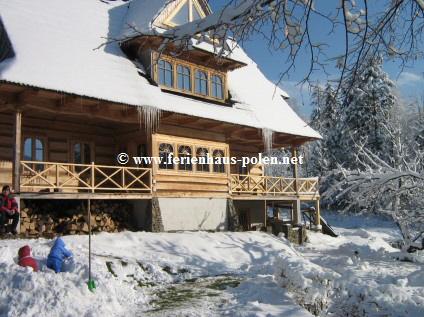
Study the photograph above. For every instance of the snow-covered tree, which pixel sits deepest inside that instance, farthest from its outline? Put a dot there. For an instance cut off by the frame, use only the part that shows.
(397, 192)
(367, 113)
(324, 119)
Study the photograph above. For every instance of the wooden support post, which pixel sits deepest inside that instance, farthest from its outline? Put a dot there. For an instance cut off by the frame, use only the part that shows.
(297, 213)
(297, 220)
(317, 215)
(17, 135)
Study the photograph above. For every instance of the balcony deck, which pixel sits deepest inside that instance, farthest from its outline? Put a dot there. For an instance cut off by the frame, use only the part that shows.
(51, 180)
(271, 187)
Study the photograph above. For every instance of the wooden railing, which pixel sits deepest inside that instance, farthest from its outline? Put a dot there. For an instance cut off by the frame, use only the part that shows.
(84, 177)
(269, 185)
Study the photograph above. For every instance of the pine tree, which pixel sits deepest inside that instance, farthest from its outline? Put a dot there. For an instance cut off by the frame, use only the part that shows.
(367, 112)
(324, 119)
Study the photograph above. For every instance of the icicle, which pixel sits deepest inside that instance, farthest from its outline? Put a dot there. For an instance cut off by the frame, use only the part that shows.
(267, 135)
(151, 116)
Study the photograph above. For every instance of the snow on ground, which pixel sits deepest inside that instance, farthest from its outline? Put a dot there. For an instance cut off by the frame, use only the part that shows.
(219, 274)
(145, 273)
(357, 273)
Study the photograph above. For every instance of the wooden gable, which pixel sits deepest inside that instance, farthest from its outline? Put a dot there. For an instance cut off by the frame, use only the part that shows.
(181, 12)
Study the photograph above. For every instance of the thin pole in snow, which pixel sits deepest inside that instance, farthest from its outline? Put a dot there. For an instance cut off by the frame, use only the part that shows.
(91, 284)
(89, 239)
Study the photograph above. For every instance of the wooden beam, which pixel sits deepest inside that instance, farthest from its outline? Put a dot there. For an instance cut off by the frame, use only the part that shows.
(65, 101)
(7, 107)
(211, 125)
(17, 135)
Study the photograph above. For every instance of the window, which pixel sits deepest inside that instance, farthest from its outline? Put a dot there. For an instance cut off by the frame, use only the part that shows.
(82, 154)
(183, 78)
(182, 16)
(141, 152)
(201, 83)
(187, 11)
(165, 73)
(166, 152)
(196, 14)
(218, 160)
(184, 154)
(202, 155)
(34, 151)
(216, 86)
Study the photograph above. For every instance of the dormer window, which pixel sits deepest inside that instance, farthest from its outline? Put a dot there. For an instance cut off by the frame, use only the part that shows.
(216, 86)
(183, 78)
(201, 83)
(188, 78)
(165, 76)
(186, 11)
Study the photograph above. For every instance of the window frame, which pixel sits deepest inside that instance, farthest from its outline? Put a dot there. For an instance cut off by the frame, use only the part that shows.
(194, 144)
(44, 142)
(168, 20)
(193, 68)
(172, 70)
(190, 75)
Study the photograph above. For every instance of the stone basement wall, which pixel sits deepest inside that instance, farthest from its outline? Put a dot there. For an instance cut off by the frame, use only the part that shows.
(294, 234)
(49, 219)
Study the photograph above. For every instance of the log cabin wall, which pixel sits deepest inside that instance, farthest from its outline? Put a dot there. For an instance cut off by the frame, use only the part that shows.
(59, 137)
(6, 148)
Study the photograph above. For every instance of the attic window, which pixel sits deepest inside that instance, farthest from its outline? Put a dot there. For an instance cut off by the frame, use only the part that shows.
(188, 78)
(186, 11)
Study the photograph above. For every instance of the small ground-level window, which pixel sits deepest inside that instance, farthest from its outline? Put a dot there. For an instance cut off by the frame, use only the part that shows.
(183, 78)
(184, 154)
(34, 151)
(201, 83)
(165, 73)
(216, 87)
(166, 152)
(218, 161)
(202, 155)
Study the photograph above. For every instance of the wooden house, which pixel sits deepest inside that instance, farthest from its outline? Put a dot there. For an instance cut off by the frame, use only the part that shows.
(69, 105)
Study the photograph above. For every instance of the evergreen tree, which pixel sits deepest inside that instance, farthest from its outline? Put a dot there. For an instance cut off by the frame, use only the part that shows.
(367, 113)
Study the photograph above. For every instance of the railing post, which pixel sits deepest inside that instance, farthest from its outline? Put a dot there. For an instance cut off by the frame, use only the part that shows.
(57, 175)
(151, 180)
(17, 134)
(92, 182)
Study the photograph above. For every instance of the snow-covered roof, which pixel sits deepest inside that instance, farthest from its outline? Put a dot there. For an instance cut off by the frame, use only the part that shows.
(55, 44)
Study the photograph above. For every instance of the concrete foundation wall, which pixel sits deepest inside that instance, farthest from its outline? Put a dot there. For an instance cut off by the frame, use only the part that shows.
(193, 213)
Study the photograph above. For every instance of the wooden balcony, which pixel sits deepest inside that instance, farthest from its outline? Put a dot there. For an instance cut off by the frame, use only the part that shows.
(273, 186)
(70, 178)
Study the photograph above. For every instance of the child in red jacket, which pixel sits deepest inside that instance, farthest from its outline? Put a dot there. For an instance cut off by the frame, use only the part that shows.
(25, 259)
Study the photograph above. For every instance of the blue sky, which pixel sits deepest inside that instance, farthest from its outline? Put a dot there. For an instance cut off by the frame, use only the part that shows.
(409, 81)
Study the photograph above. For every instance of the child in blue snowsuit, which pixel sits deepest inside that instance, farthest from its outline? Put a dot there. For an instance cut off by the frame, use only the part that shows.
(54, 260)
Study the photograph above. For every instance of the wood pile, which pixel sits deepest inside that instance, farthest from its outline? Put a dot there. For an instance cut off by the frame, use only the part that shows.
(40, 220)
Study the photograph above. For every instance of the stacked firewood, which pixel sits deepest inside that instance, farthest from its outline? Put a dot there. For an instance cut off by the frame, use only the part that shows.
(38, 220)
